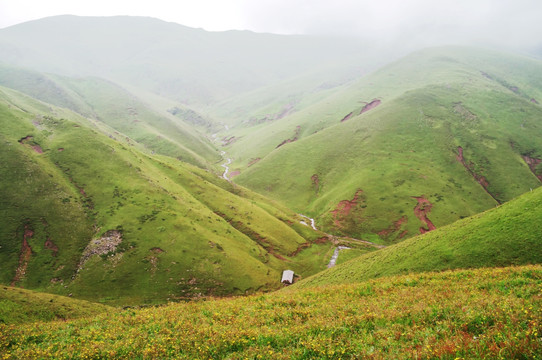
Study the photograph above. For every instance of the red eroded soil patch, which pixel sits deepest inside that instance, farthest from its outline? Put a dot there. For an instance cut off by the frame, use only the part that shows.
(479, 178)
(24, 256)
(347, 117)
(51, 246)
(533, 100)
(394, 228)
(421, 210)
(234, 174)
(29, 140)
(253, 161)
(344, 207)
(533, 163)
(370, 105)
(296, 136)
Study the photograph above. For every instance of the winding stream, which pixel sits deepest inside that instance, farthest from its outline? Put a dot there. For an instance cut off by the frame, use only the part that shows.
(225, 166)
(336, 255)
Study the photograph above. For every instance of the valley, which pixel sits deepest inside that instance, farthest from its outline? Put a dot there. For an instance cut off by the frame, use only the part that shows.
(164, 175)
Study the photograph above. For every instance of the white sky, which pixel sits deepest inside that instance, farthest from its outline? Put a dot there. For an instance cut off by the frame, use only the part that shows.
(507, 21)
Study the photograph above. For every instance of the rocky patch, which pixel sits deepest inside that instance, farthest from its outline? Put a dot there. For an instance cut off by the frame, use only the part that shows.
(108, 243)
(464, 112)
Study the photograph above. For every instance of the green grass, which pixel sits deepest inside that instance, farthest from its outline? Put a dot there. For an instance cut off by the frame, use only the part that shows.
(471, 314)
(507, 235)
(186, 233)
(19, 306)
(433, 102)
(126, 115)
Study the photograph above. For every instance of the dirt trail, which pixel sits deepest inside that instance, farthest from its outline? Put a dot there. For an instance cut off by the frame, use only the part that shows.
(421, 210)
(24, 256)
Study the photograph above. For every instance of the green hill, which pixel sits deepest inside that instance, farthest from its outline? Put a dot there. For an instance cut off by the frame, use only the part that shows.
(475, 314)
(506, 235)
(18, 306)
(108, 103)
(86, 214)
(435, 137)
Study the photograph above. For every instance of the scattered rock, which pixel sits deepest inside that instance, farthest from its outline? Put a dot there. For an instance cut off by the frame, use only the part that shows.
(106, 244)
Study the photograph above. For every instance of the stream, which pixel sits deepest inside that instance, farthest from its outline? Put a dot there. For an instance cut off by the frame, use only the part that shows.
(225, 166)
(336, 255)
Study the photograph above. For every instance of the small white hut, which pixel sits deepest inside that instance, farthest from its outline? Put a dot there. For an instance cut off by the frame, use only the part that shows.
(287, 277)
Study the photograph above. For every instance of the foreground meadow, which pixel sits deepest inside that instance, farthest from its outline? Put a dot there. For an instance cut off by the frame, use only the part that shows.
(486, 313)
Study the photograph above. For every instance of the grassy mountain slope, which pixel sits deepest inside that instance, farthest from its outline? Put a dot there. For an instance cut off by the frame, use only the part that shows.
(484, 313)
(107, 102)
(86, 214)
(18, 306)
(451, 132)
(507, 235)
(184, 64)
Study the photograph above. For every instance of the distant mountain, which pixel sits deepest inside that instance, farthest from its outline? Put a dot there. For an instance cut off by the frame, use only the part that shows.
(439, 135)
(184, 64)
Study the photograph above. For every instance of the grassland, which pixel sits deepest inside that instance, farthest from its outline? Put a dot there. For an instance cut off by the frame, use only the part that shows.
(18, 306)
(123, 112)
(94, 216)
(506, 235)
(468, 314)
(453, 130)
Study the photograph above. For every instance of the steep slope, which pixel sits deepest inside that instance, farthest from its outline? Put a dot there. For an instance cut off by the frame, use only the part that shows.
(93, 216)
(107, 102)
(184, 64)
(484, 313)
(507, 235)
(442, 134)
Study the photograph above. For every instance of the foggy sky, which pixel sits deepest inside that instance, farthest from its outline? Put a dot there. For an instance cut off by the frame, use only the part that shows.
(415, 23)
